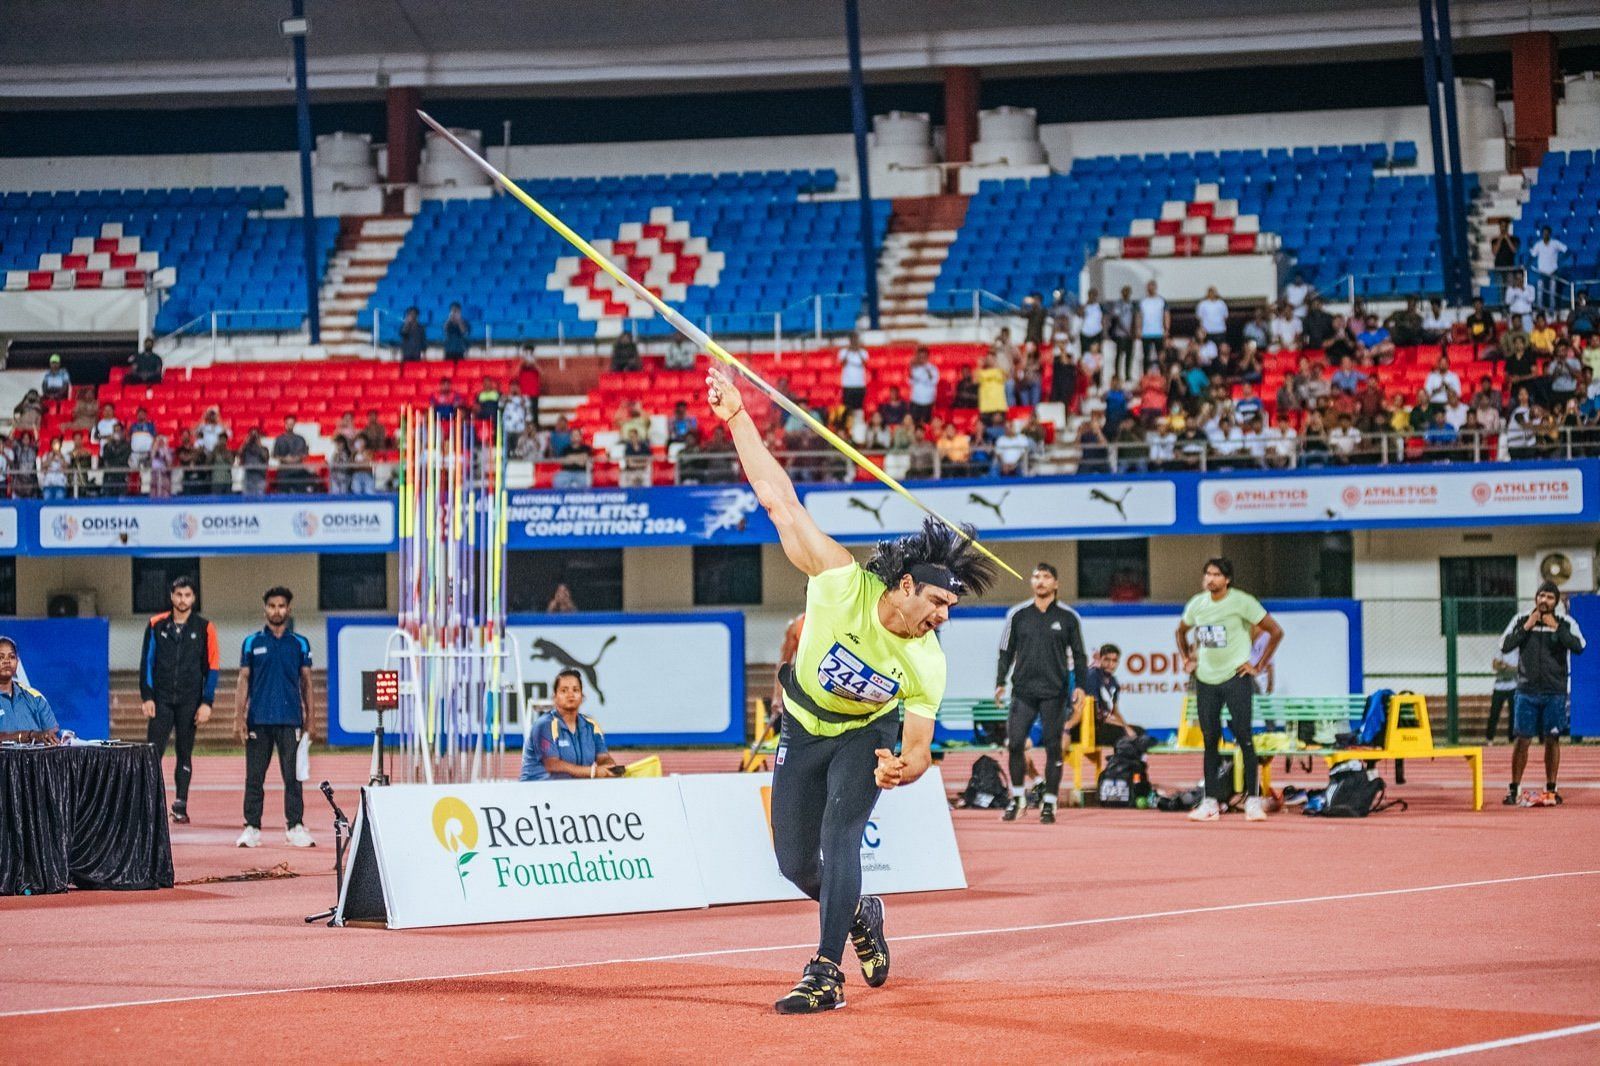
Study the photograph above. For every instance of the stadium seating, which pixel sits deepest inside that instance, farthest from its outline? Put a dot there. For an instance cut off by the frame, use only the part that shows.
(731, 247)
(225, 256)
(1567, 199)
(1333, 209)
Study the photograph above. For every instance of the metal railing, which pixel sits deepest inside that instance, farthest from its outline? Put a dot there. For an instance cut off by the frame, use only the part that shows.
(142, 478)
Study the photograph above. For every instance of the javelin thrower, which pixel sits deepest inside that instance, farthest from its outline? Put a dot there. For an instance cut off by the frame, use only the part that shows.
(868, 647)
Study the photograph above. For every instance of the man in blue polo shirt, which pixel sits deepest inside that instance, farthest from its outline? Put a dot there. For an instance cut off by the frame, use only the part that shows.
(271, 709)
(564, 744)
(23, 710)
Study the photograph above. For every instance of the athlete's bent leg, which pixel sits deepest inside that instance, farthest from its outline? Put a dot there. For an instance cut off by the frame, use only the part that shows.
(852, 792)
(799, 799)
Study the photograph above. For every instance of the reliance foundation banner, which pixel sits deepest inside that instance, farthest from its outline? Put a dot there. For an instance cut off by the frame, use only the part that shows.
(321, 525)
(647, 678)
(1320, 654)
(496, 852)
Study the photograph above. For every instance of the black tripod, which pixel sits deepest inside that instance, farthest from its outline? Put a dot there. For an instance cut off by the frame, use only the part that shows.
(341, 840)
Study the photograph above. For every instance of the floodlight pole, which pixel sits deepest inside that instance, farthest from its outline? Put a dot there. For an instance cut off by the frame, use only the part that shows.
(858, 117)
(308, 213)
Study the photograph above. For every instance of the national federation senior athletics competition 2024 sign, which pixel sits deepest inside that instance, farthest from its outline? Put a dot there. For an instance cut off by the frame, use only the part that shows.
(431, 855)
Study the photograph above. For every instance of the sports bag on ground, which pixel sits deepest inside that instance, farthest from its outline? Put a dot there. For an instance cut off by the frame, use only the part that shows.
(986, 787)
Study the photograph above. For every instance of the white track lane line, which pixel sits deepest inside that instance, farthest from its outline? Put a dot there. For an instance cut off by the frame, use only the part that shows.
(1491, 1045)
(719, 952)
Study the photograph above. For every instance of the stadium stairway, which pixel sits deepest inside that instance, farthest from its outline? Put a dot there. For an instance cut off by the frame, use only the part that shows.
(921, 231)
(366, 246)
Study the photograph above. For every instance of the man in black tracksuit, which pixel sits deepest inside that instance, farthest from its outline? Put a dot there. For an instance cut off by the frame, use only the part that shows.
(1041, 646)
(1545, 640)
(178, 665)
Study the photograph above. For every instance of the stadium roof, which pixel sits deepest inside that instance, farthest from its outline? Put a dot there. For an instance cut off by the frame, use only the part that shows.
(55, 51)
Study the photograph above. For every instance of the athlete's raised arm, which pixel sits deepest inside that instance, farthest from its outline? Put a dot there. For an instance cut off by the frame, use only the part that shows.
(807, 547)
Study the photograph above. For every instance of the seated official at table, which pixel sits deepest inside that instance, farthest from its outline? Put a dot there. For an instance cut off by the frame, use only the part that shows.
(24, 713)
(1101, 685)
(564, 744)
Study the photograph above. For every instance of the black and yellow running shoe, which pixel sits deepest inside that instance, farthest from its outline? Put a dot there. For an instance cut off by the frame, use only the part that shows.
(821, 988)
(872, 947)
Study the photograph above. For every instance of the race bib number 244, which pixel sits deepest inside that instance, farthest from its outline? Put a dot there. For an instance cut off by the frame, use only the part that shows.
(844, 674)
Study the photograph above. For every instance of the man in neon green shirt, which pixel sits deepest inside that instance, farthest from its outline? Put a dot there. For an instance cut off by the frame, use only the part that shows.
(1222, 620)
(866, 649)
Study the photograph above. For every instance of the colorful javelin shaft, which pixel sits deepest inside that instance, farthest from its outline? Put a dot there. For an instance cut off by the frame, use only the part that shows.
(702, 339)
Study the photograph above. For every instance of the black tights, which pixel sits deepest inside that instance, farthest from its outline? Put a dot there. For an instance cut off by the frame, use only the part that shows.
(182, 719)
(1052, 715)
(823, 792)
(1238, 694)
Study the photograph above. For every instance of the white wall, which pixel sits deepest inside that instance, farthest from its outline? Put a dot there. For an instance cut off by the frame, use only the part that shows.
(153, 172)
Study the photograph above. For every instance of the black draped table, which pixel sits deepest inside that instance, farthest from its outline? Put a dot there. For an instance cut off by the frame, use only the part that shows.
(93, 817)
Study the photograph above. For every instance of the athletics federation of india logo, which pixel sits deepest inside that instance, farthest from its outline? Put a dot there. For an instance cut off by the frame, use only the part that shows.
(456, 828)
(1222, 500)
(662, 254)
(1482, 493)
(1351, 496)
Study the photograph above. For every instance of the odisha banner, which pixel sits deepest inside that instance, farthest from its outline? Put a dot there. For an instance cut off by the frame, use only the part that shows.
(321, 525)
(648, 678)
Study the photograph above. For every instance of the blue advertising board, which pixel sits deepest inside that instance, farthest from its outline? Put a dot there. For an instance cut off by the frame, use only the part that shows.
(67, 659)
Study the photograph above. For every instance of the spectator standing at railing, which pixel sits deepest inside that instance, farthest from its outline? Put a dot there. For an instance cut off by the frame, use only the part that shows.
(1063, 317)
(1563, 371)
(1546, 254)
(457, 334)
(955, 451)
(1506, 248)
(220, 460)
(210, 430)
(190, 465)
(1152, 393)
(57, 384)
(339, 467)
(85, 408)
(413, 336)
(252, 459)
(625, 354)
(634, 469)
(1034, 317)
(530, 381)
(1212, 313)
(1027, 378)
(1121, 326)
(1583, 323)
(161, 459)
(115, 458)
(1155, 326)
(1011, 453)
(53, 475)
(1005, 353)
(1091, 326)
(144, 366)
(923, 378)
(1297, 294)
(1486, 408)
(514, 415)
(362, 481)
(290, 450)
(992, 384)
(1521, 298)
(1521, 366)
(852, 360)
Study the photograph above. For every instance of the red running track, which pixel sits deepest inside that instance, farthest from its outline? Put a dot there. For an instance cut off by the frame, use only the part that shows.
(1114, 935)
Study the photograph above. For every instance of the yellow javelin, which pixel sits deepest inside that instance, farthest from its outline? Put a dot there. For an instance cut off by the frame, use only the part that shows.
(699, 336)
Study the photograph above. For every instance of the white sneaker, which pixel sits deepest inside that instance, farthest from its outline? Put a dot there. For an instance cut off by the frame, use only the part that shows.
(1208, 811)
(1253, 810)
(250, 838)
(299, 837)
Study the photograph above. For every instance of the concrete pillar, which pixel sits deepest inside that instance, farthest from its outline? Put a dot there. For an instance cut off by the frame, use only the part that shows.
(960, 113)
(1535, 71)
(405, 142)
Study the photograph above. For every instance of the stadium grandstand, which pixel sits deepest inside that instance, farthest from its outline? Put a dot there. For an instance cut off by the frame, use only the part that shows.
(367, 402)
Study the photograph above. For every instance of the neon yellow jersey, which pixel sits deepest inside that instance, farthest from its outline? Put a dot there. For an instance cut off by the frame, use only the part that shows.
(1221, 632)
(849, 664)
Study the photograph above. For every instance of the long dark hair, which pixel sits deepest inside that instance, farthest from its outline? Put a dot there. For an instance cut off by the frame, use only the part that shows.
(936, 544)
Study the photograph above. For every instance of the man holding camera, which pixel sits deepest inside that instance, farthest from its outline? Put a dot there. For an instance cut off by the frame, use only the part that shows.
(564, 745)
(1546, 638)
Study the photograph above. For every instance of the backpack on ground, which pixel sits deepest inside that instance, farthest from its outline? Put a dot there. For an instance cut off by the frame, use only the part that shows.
(1126, 777)
(1353, 792)
(986, 786)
